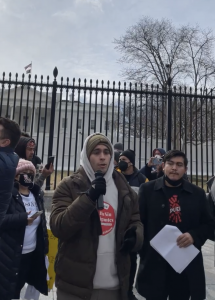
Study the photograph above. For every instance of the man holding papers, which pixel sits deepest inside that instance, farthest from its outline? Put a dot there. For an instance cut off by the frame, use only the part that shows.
(172, 269)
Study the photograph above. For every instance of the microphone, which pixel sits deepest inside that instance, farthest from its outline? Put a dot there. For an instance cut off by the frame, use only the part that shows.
(100, 200)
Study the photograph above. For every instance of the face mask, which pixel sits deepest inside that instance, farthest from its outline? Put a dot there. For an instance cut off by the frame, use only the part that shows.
(173, 182)
(123, 165)
(26, 180)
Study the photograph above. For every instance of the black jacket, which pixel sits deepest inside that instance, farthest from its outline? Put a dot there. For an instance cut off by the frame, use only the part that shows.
(146, 172)
(136, 179)
(36, 161)
(8, 164)
(12, 236)
(152, 175)
(154, 213)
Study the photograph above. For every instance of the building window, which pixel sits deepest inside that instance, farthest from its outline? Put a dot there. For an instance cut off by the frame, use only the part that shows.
(79, 123)
(42, 122)
(107, 125)
(92, 124)
(64, 123)
(25, 121)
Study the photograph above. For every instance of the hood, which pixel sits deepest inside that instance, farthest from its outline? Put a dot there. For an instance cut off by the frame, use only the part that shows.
(161, 150)
(210, 183)
(21, 147)
(211, 187)
(85, 163)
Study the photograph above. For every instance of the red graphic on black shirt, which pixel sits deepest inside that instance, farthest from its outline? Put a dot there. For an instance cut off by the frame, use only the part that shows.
(107, 218)
(175, 209)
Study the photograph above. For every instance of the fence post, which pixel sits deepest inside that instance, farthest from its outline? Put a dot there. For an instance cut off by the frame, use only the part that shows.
(169, 115)
(52, 120)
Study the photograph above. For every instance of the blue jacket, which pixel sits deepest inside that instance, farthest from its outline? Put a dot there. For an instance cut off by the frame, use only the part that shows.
(8, 164)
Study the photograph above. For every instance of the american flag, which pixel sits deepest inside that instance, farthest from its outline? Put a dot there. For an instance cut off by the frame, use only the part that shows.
(28, 68)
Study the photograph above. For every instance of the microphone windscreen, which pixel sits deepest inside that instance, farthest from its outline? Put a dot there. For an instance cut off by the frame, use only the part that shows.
(99, 174)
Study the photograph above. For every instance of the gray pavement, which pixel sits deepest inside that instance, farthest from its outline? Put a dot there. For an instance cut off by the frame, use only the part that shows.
(208, 254)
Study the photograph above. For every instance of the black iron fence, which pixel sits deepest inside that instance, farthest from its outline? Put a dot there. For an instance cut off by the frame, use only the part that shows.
(59, 115)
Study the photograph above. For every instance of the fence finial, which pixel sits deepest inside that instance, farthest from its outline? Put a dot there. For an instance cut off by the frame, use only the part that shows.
(55, 72)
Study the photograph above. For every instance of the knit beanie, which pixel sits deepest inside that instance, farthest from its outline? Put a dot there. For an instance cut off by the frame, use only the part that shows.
(130, 154)
(97, 139)
(118, 146)
(24, 166)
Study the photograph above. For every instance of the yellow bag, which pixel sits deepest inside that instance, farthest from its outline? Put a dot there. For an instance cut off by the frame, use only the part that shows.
(53, 247)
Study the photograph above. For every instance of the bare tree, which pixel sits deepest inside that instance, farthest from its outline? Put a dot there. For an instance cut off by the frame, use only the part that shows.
(199, 53)
(150, 46)
(154, 51)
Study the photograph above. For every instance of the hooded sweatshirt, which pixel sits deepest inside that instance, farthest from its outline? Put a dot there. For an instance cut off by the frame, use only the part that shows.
(21, 150)
(21, 146)
(106, 271)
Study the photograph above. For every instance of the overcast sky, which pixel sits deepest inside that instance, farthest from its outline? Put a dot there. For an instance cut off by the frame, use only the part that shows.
(77, 35)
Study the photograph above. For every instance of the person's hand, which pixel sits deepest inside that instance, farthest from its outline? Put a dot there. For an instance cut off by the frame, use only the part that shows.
(159, 168)
(47, 172)
(98, 187)
(31, 219)
(150, 163)
(184, 240)
(129, 240)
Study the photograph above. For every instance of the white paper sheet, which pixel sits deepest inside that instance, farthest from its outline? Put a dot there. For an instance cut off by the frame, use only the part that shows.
(165, 244)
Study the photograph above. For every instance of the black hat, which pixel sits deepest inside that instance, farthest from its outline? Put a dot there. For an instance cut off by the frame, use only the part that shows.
(130, 154)
(118, 146)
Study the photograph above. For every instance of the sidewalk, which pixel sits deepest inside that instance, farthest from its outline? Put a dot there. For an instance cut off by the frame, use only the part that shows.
(208, 254)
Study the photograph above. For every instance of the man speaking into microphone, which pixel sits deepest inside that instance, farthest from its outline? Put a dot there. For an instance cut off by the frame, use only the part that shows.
(95, 215)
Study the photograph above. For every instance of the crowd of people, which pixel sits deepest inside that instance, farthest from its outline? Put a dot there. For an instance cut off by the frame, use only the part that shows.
(104, 215)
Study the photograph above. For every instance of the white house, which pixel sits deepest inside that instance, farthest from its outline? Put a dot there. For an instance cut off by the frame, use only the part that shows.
(74, 121)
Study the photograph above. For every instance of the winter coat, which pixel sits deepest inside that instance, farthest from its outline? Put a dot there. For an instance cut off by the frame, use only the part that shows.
(36, 161)
(12, 237)
(152, 174)
(75, 221)
(8, 164)
(154, 213)
(136, 180)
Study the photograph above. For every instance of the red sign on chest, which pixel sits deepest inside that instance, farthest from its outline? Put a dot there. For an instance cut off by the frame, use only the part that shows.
(107, 218)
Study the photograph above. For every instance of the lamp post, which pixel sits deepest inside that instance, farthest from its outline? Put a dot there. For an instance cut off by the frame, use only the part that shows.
(52, 122)
(169, 109)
